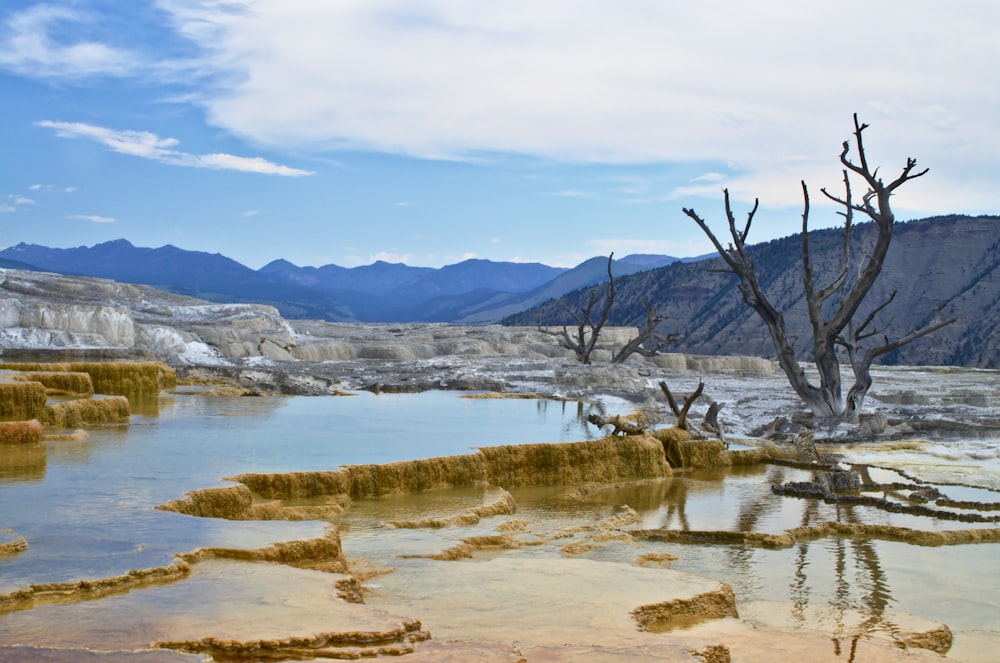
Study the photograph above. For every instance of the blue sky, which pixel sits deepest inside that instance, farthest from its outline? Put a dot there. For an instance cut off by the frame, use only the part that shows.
(428, 132)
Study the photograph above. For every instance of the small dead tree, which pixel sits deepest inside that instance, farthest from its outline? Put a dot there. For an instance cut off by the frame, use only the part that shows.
(584, 339)
(833, 320)
(648, 343)
(681, 412)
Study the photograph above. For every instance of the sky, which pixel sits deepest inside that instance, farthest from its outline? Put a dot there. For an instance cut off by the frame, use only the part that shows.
(433, 131)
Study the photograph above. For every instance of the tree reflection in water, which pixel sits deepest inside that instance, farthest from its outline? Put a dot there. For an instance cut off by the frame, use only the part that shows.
(842, 581)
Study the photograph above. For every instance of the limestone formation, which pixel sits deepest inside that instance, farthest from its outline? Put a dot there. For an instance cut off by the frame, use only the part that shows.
(504, 505)
(22, 401)
(823, 530)
(322, 554)
(21, 432)
(603, 461)
(683, 613)
(67, 324)
(60, 382)
(11, 543)
(83, 412)
(119, 378)
(86, 590)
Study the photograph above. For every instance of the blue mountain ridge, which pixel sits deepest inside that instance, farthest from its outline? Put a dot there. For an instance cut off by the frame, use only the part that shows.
(380, 292)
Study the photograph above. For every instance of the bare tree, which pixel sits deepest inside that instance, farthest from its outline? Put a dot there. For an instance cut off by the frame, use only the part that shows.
(584, 339)
(832, 318)
(648, 343)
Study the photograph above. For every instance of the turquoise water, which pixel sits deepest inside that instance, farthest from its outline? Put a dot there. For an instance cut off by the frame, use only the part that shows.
(86, 508)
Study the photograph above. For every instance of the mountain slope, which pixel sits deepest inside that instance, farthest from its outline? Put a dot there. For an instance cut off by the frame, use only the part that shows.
(380, 292)
(588, 273)
(212, 277)
(943, 266)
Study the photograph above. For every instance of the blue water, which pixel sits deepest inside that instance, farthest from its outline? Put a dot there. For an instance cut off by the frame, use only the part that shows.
(86, 507)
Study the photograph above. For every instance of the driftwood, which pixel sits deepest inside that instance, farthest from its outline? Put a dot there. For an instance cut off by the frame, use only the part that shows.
(682, 412)
(712, 423)
(622, 424)
(636, 425)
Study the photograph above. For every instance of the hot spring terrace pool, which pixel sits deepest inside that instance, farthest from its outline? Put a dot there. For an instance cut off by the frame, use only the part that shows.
(86, 509)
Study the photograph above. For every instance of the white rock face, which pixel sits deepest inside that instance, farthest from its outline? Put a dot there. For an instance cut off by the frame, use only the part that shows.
(44, 311)
(102, 326)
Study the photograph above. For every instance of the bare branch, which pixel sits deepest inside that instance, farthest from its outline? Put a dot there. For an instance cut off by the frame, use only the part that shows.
(670, 399)
(909, 338)
(688, 402)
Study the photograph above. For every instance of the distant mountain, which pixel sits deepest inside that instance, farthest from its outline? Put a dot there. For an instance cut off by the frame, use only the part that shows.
(648, 260)
(588, 273)
(212, 277)
(944, 266)
(380, 292)
(379, 278)
(17, 264)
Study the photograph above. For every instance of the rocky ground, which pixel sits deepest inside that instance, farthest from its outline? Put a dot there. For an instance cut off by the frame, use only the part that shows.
(252, 347)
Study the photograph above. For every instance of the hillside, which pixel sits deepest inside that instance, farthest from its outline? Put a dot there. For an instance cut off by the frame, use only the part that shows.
(380, 292)
(947, 266)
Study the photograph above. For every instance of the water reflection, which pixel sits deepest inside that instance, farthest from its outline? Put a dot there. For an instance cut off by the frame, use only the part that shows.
(20, 463)
(86, 509)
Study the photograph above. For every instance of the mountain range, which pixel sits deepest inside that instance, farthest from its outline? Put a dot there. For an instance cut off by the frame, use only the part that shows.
(947, 266)
(472, 291)
(942, 267)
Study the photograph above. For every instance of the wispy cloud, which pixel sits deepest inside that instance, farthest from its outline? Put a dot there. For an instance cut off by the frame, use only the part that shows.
(51, 188)
(622, 83)
(92, 218)
(391, 256)
(148, 145)
(14, 201)
(249, 213)
(625, 246)
(28, 46)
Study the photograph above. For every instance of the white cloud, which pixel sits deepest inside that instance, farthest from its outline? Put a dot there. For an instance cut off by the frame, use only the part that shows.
(624, 246)
(150, 146)
(753, 85)
(92, 218)
(250, 212)
(391, 256)
(245, 164)
(51, 188)
(27, 46)
(7, 209)
(405, 203)
(21, 200)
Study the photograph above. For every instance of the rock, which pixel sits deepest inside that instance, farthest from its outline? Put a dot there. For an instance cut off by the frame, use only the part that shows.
(839, 481)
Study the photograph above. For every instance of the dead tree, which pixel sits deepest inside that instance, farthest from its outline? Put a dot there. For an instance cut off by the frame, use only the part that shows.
(681, 412)
(832, 318)
(648, 343)
(584, 340)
